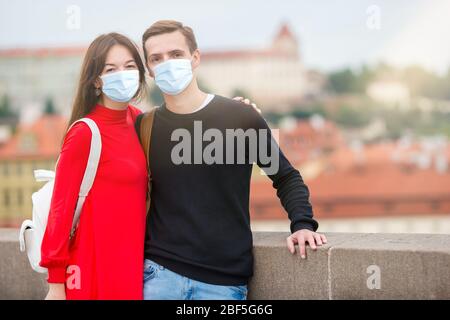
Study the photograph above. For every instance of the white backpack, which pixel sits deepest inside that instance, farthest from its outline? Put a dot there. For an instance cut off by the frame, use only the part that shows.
(32, 231)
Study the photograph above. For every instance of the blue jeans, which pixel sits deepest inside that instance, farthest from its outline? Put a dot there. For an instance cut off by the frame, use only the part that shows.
(162, 284)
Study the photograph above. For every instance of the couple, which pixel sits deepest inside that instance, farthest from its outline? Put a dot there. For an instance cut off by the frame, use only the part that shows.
(195, 242)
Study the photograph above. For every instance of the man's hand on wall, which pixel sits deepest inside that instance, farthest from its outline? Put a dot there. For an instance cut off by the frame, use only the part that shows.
(301, 237)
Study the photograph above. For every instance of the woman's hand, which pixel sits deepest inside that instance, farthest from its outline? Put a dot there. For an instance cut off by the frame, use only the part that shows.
(247, 101)
(56, 291)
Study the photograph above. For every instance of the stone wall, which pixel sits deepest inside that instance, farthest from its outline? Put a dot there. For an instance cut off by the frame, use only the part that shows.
(350, 266)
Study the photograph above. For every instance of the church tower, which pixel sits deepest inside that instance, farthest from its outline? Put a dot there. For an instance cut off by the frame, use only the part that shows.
(285, 42)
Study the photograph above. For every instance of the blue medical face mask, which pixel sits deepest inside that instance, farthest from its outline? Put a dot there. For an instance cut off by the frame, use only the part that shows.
(121, 86)
(173, 76)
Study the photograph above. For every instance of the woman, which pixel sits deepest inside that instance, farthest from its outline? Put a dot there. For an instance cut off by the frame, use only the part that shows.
(106, 252)
(107, 248)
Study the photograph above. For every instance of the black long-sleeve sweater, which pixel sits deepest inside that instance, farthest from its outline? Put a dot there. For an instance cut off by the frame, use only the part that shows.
(198, 225)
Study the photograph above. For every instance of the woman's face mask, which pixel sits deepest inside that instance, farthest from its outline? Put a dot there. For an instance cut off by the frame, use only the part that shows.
(120, 86)
(173, 76)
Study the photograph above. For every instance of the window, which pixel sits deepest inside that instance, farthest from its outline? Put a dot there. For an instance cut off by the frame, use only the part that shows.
(20, 197)
(5, 168)
(6, 198)
(19, 168)
(33, 166)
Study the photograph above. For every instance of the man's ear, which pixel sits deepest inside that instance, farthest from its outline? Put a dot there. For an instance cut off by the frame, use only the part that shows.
(195, 59)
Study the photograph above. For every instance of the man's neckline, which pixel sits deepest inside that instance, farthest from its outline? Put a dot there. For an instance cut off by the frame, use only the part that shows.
(205, 102)
(200, 110)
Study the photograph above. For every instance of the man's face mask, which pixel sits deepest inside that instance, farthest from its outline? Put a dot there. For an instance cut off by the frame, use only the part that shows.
(173, 76)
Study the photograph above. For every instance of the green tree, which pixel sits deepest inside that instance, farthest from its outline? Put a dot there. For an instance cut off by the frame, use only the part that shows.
(365, 76)
(352, 117)
(305, 111)
(5, 107)
(49, 106)
(425, 83)
(273, 117)
(341, 81)
(240, 93)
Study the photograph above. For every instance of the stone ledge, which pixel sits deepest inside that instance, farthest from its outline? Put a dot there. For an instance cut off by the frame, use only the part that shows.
(350, 266)
(353, 266)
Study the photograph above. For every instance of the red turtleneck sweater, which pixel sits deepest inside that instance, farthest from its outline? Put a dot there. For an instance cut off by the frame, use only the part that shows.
(105, 258)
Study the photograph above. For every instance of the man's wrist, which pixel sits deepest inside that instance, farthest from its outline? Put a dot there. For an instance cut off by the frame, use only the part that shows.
(301, 225)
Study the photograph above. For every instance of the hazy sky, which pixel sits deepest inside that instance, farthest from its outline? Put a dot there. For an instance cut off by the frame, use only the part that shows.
(332, 33)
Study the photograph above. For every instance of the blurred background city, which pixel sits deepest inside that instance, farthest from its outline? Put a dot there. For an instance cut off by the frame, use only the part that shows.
(358, 91)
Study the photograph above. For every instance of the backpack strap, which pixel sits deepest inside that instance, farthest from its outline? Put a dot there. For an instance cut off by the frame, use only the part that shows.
(91, 169)
(144, 126)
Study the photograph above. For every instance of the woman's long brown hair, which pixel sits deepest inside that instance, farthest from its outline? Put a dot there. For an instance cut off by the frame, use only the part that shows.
(93, 64)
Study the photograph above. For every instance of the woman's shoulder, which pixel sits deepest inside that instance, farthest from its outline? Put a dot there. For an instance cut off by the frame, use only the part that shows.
(78, 133)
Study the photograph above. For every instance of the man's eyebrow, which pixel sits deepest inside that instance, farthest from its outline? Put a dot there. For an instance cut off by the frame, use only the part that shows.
(170, 52)
(176, 51)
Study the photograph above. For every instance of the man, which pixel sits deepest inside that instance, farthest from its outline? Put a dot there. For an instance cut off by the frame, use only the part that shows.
(198, 238)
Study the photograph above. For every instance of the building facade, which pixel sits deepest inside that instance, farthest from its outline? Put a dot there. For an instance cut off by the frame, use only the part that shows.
(274, 77)
(33, 146)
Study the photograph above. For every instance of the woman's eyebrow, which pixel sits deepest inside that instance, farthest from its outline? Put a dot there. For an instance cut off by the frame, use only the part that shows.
(113, 65)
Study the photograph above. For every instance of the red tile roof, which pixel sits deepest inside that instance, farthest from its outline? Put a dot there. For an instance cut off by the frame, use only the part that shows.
(207, 55)
(285, 31)
(41, 139)
(378, 187)
(244, 54)
(304, 142)
(43, 52)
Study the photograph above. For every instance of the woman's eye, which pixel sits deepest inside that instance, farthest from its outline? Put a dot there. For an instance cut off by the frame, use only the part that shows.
(131, 66)
(109, 70)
